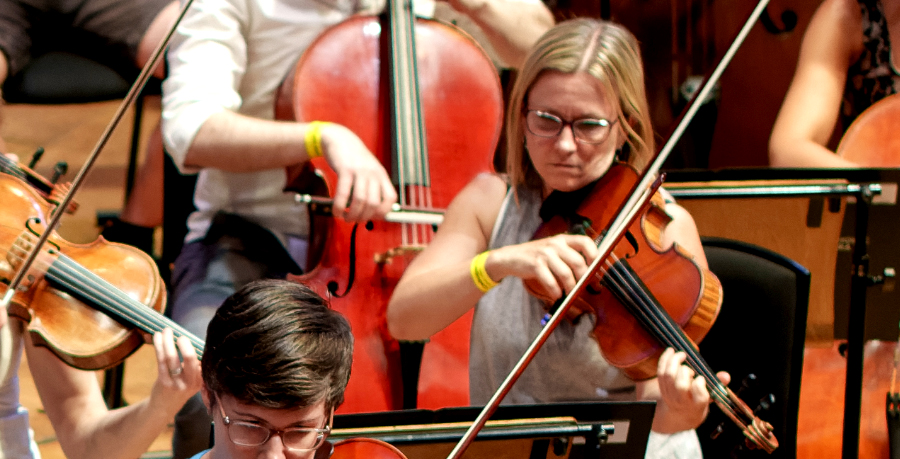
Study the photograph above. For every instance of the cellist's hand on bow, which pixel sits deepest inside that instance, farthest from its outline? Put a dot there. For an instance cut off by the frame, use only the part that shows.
(364, 190)
(684, 398)
(555, 263)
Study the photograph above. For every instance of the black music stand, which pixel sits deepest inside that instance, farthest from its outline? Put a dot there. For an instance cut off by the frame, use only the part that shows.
(857, 224)
(625, 426)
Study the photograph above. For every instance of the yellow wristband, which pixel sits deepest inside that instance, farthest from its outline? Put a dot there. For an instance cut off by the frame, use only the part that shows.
(313, 139)
(479, 274)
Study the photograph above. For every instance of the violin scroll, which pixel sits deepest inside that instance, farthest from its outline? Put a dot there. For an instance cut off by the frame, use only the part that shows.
(757, 433)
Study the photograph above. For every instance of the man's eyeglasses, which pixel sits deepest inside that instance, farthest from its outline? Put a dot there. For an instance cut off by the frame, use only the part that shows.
(294, 439)
(585, 130)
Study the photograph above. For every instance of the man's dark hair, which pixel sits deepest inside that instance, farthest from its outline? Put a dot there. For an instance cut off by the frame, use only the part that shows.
(277, 344)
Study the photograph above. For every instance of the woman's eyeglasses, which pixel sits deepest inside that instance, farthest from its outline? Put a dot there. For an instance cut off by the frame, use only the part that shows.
(585, 130)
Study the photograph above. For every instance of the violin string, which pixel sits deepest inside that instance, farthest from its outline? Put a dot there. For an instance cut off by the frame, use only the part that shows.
(77, 279)
(75, 276)
(9, 167)
(663, 323)
(656, 318)
(43, 266)
(651, 322)
(646, 309)
(99, 291)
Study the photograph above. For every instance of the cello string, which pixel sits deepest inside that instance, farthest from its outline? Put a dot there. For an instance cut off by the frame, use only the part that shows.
(420, 152)
(399, 142)
(400, 121)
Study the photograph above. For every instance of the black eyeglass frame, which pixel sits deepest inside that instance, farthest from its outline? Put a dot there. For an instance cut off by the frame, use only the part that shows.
(563, 123)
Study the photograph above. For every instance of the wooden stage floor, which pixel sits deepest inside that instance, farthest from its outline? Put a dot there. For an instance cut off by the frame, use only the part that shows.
(69, 133)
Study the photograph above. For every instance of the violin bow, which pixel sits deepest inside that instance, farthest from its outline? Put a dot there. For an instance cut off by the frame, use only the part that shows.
(641, 194)
(127, 103)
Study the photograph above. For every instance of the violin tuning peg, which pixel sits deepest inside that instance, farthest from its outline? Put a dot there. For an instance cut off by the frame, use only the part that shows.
(717, 431)
(747, 383)
(59, 170)
(36, 157)
(766, 402)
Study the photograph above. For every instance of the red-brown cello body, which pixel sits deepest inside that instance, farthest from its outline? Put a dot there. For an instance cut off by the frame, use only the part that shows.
(345, 77)
(870, 141)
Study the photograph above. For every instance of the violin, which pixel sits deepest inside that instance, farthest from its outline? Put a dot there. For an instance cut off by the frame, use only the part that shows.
(869, 141)
(363, 448)
(647, 299)
(86, 303)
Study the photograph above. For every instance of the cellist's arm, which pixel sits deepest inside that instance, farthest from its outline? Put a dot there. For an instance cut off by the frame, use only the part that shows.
(512, 26)
(437, 288)
(86, 429)
(202, 126)
(226, 139)
(812, 104)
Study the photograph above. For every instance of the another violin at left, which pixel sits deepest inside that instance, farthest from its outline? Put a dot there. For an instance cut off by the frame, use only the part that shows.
(87, 303)
(360, 448)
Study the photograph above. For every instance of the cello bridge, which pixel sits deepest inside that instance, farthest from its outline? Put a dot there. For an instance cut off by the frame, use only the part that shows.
(402, 251)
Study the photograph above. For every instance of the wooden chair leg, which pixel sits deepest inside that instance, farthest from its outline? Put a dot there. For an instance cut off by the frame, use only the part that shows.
(112, 386)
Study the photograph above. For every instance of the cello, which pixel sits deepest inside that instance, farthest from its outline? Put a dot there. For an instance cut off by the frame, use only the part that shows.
(425, 99)
(868, 142)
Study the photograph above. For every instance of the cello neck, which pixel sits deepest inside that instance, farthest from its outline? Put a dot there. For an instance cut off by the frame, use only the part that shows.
(410, 153)
(69, 276)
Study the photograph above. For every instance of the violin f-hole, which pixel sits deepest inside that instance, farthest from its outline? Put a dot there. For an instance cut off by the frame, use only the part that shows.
(634, 244)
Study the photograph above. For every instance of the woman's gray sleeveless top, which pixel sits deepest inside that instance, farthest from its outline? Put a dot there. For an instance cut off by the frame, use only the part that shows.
(568, 368)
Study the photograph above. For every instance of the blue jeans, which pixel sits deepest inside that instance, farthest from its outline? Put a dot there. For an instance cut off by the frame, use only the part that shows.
(233, 253)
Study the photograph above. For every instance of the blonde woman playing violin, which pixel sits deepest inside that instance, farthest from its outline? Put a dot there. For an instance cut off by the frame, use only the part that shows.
(578, 104)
